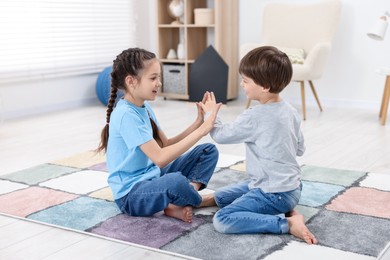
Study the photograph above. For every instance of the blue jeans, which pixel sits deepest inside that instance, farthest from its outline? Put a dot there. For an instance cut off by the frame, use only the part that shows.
(245, 211)
(173, 186)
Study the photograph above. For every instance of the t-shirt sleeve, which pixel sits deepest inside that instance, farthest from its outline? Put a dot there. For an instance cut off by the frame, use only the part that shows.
(238, 131)
(134, 130)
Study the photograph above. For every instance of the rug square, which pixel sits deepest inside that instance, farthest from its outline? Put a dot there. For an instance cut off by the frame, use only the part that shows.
(307, 212)
(104, 194)
(310, 252)
(350, 232)
(24, 202)
(226, 177)
(239, 167)
(153, 231)
(378, 181)
(37, 174)
(82, 160)
(9, 186)
(206, 243)
(82, 182)
(81, 213)
(330, 175)
(99, 167)
(316, 194)
(226, 160)
(364, 201)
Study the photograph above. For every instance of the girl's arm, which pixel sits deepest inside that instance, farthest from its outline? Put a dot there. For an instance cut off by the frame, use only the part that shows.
(198, 122)
(162, 156)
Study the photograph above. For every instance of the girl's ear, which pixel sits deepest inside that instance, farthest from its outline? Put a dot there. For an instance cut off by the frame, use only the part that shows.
(130, 81)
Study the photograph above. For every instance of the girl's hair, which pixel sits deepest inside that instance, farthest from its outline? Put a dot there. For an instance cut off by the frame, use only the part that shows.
(130, 62)
(267, 67)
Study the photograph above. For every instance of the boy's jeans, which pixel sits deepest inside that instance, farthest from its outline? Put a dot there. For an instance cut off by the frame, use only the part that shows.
(245, 211)
(151, 196)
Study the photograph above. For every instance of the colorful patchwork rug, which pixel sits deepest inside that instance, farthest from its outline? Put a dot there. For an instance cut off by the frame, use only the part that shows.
(348, 211)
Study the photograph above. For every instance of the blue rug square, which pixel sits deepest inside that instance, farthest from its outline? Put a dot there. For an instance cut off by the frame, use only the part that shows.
(81, 213)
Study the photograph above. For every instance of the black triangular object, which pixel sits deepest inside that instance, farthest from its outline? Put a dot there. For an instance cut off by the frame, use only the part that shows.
(208, 73)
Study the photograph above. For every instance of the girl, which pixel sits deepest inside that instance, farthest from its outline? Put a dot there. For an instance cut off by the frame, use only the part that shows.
(148, 171)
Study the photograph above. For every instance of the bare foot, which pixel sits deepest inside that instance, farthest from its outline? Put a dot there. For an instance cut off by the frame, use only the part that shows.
(298, 228)
(182, 213)
(207, 200)
(291, 213)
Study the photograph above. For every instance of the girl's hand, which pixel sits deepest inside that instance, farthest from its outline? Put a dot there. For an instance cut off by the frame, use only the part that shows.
(210, 106)
(200, 117)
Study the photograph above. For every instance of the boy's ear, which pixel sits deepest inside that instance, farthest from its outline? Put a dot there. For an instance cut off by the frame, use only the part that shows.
(264, 89)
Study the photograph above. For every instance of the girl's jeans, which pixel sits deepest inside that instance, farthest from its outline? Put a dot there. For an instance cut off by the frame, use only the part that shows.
(151, 196)
(245, 211)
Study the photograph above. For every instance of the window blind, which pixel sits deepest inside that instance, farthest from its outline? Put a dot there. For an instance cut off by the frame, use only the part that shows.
(54, 38)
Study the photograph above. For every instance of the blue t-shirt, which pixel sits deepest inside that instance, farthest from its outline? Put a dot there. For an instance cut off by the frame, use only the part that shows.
(130, 127)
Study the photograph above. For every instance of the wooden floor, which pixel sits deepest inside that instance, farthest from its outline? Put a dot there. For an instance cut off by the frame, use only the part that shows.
(337, 138)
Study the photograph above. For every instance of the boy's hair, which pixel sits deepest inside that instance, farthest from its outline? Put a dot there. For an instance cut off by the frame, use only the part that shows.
(267, 67)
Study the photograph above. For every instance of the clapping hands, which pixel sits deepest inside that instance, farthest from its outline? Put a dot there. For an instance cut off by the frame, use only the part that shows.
(208, 105)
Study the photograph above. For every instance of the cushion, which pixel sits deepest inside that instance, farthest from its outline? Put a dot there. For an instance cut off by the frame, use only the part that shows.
(296, 56)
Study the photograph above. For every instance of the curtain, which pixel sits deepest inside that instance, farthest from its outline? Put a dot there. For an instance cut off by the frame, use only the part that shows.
(55, 38)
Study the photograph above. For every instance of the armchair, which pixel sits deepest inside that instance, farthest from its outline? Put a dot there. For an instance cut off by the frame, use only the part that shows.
(307, 27)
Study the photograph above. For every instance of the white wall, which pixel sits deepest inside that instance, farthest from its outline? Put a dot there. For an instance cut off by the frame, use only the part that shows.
(40, 96)
(349, 79)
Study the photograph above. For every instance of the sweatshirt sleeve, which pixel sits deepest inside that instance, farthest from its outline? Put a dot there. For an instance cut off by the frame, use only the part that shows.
(301, 144)
(239, 131)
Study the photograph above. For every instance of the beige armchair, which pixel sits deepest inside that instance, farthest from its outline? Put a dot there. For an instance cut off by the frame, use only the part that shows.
(307, 27)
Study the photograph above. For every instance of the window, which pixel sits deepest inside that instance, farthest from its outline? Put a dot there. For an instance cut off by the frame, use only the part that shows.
(54, 38)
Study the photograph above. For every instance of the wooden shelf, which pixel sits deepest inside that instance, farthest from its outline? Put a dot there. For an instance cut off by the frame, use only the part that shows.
(222, 34)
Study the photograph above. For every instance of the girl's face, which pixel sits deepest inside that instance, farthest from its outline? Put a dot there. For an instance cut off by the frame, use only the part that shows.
(252, 90)
(147, 85)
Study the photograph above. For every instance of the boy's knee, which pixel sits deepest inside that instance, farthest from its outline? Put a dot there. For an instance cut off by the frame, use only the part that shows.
(218, 223)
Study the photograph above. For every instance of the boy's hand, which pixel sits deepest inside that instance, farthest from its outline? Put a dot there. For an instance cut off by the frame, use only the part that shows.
(208, 103)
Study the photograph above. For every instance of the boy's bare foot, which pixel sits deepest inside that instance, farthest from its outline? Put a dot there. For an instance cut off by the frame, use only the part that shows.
(182, 213)
(291, 213)
(207, 200)
(298, 228)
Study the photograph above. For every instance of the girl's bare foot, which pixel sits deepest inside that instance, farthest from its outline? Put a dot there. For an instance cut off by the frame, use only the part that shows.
(182, 213)
(298, 228)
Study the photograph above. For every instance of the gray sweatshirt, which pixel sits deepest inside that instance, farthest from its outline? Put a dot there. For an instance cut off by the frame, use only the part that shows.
(273, 139)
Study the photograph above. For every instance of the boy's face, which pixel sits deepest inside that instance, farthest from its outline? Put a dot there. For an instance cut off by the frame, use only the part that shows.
(252, 90)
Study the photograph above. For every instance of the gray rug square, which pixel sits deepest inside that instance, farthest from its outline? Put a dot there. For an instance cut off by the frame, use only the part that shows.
(349, 232)
(206, 243)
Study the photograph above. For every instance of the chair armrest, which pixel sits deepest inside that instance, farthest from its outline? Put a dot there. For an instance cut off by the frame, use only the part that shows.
(316, 58)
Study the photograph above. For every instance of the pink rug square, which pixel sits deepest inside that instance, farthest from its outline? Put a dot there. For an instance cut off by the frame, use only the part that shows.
(365, 201)
(24, 202)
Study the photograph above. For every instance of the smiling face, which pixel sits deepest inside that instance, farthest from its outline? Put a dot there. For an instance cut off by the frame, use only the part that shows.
(144, 87)
(252, 90)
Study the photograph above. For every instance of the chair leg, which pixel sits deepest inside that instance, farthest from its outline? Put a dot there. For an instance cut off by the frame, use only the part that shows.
(384, 96)
(248, 103)
(303, 99)
(385, 101)
(315, 94)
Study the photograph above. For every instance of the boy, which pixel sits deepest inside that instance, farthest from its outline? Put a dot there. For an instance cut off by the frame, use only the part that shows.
(273, 139)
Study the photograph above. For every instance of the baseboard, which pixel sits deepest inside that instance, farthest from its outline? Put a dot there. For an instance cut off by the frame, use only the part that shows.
(337, 103)
(48, 108)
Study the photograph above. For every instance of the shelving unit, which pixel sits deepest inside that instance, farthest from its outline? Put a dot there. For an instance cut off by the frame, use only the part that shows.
(223, 35)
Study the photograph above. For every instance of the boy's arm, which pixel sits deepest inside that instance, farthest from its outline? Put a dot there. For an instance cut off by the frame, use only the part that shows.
(239, 131)
(301, 144)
